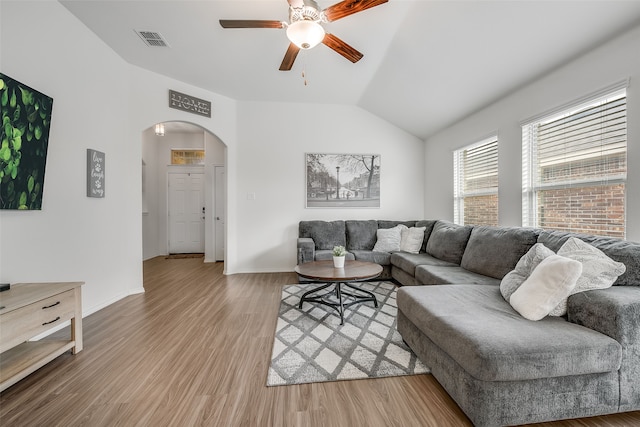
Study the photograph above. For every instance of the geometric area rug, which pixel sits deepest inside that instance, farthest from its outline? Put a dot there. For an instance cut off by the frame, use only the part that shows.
(310, 345)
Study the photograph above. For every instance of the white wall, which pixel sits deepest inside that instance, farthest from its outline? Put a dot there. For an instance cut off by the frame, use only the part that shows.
(150, 196)
(612, 62)
(272, 141)
(74, 237)
(215, 155)
(103, 103)
(149, 95)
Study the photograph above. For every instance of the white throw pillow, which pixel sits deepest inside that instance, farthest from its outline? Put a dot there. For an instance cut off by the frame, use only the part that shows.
(389, 239)
(529, 261)
(598, 270)
(411, 239)
(550, 282)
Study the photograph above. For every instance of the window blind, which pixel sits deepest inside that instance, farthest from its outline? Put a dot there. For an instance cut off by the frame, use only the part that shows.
(476, 183)
(574, 168)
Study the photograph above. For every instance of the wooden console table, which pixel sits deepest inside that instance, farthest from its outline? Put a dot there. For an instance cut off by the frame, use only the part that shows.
(27, 310)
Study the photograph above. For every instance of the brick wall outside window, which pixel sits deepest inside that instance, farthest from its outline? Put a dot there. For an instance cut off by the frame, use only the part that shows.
(481, 210)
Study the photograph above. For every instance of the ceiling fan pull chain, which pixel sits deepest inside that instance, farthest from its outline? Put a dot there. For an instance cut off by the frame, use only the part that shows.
(304, 72)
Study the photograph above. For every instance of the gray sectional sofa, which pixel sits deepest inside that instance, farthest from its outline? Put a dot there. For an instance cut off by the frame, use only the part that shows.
(501, 368)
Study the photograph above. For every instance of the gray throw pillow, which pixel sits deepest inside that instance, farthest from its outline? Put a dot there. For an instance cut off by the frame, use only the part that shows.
(598, 270)
(527, 263)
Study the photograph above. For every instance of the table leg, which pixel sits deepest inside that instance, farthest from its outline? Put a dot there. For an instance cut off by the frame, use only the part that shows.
(359, 298)
(339, 291)
(304, 298)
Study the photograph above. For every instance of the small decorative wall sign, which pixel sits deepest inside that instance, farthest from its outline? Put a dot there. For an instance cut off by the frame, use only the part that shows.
(95, 173)
(189, 103)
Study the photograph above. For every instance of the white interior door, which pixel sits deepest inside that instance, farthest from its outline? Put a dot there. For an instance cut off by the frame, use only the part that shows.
(186, 213)
(219, 202)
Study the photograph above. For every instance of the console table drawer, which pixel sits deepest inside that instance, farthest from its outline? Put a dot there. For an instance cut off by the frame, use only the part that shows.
(26, 322)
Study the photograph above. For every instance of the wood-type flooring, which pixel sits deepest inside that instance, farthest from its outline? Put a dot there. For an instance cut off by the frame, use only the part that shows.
(194, 350)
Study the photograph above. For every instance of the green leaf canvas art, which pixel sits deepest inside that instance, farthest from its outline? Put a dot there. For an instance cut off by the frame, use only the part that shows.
(24, 136)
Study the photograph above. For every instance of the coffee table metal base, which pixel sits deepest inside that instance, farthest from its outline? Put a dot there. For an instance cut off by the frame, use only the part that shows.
(340, 305)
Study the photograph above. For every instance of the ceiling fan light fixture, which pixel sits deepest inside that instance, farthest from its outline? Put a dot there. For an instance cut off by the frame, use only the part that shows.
(305, 34)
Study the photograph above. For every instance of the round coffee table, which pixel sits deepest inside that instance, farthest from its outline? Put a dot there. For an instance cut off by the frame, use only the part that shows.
(326, 273)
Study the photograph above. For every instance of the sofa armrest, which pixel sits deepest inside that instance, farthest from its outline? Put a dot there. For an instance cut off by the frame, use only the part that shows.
(306, 249)
(613, 311)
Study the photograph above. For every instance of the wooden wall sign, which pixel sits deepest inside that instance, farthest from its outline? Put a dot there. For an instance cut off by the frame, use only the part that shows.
(190, 104)
(95, 173)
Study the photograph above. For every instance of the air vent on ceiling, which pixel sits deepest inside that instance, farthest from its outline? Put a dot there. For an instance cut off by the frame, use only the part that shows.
(152, 38)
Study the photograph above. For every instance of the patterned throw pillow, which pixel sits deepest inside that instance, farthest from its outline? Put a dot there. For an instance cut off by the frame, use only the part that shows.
(389, 239)
(411, 239)
(598, 270)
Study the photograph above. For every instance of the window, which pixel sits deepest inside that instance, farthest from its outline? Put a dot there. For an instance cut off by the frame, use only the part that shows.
(475, 170)
(187, 157)
(575, 168)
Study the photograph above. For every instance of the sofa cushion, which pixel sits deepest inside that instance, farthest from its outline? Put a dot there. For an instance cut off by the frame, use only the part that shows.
(619, 250)
(495, 251)
(382, 258)
(390, 224)
(492, 342)
(598, 270)
(361, 235)
(443, 275)
(408, 262)
(549, 283)
(327, 255)
(447, 241)
(325, 234)
(513, 279)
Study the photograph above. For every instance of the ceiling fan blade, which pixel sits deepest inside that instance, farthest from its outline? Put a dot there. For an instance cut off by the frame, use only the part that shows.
(248, 23)
(349, 7)
(289, 57)
(342, 48)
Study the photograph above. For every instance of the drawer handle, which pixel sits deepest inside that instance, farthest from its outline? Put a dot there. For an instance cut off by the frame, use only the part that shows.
(54, 320)
(49, 306)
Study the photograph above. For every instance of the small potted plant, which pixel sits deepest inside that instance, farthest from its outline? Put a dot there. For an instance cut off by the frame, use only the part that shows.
(339, 253)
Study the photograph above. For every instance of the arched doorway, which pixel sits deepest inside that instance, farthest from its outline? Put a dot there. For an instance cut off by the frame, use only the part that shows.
(158, 170)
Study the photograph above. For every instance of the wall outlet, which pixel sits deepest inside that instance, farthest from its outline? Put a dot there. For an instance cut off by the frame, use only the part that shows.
(251, 196)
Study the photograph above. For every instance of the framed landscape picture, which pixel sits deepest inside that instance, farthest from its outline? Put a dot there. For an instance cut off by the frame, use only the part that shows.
(342, 180)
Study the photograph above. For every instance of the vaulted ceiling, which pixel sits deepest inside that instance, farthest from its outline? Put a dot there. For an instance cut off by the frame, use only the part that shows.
(426, 63)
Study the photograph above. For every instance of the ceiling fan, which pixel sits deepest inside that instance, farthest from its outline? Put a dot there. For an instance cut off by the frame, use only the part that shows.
(305, 30)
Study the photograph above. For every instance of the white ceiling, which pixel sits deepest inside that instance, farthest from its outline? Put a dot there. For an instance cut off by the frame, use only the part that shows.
(426, 63)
